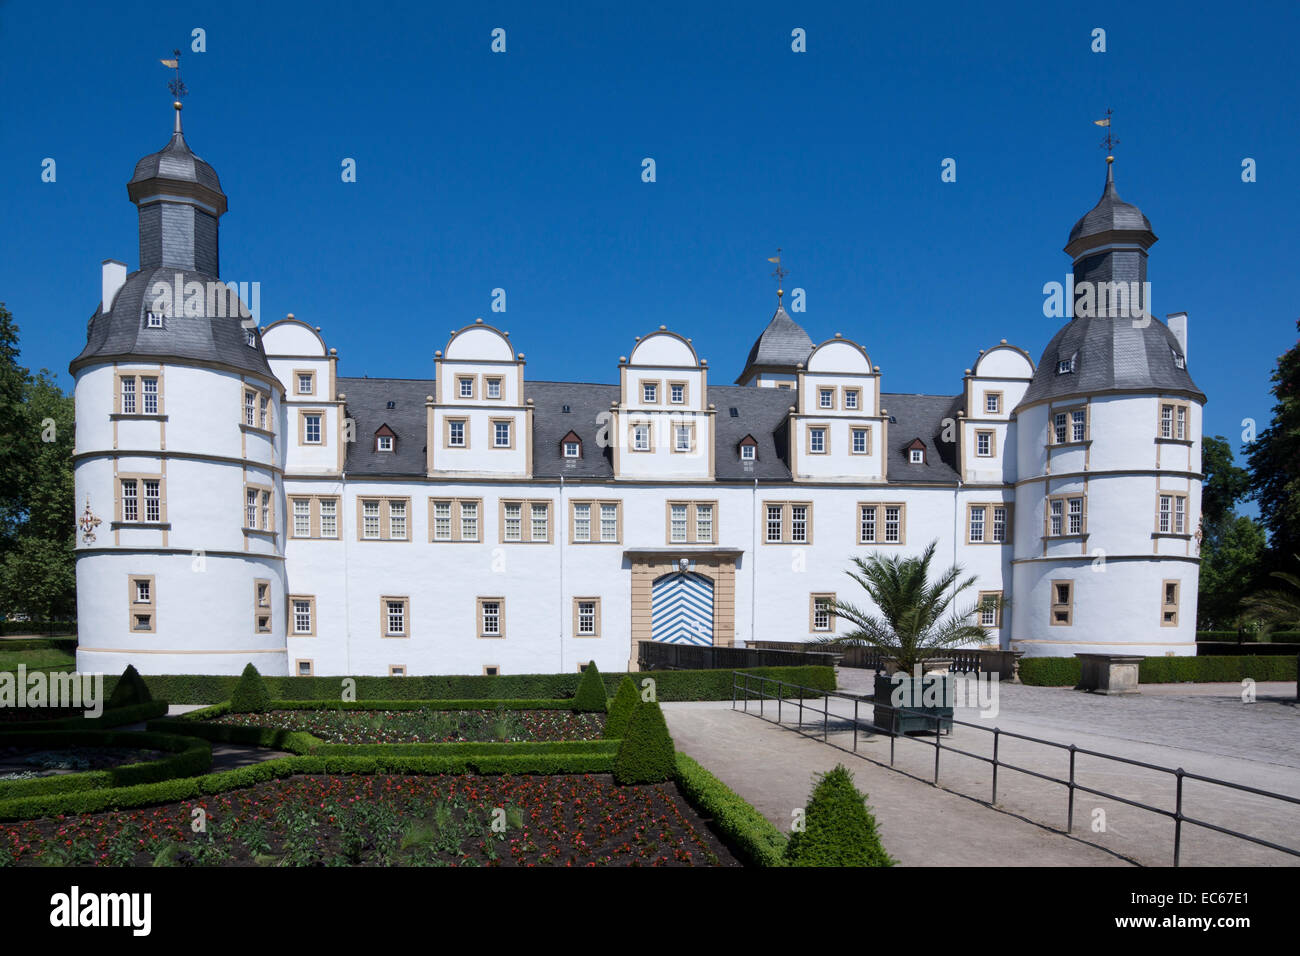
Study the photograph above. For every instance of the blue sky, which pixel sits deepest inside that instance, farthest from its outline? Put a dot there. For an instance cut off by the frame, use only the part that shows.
(522, 171)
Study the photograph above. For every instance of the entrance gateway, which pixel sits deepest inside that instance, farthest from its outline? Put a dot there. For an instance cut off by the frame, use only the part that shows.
(682, 603)
(681, 609)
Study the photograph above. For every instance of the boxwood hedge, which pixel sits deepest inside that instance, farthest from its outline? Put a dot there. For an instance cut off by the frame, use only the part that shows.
(189, 757)
(117, 717)
(1065, 671)
(746, 831)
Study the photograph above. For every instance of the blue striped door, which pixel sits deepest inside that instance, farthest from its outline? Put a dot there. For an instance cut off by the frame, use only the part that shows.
(681, 609)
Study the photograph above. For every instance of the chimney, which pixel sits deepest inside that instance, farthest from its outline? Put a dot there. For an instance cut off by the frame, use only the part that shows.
(114, 277)
(1177, 322)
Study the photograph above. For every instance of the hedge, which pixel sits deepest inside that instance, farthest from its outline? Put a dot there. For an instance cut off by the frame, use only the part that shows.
(117, 717)
(839, 828)
(66, 644)
(745, 830)
(251, 695)
(621, 707)
(94, 801)
(590, 697)
(129, 690)
(274, 738)
(1066, 671)
(1249, 637)
(190, 758)
(645, 753)
(38, 627)
(669, 685)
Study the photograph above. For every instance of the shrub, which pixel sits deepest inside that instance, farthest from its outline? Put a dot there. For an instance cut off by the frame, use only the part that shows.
(620, 711)
(747, 831)
(1171, 670)
(129, 690)
(839, 829)
(646, 753)
(590, 697)
(1050, 671)
(250, 695)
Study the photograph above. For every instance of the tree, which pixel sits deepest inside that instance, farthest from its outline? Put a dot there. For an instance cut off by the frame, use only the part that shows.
(914, 619)
(839, 828)
(38, 579)
(1274, 461)
(1232, 545)
(1278, 608)
(13, 378)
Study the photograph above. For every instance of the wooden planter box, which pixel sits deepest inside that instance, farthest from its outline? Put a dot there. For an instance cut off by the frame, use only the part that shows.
(914, 717)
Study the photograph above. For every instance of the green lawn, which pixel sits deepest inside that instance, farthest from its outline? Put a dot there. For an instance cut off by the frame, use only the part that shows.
(47, 660)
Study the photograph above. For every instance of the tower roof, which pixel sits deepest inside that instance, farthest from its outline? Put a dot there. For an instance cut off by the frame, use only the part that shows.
(175, 164)
(1111, 214)
(781, 346)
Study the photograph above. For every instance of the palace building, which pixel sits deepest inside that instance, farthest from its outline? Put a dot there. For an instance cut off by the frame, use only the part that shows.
(244, 501)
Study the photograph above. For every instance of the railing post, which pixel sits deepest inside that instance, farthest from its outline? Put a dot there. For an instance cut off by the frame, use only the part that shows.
(995, 765)
(855, 726)
(938, 744)
(733, 690)
(826, 715)
(1069, 816)
(1178, 816)
(746, 691)
(762, 695)
(779, 695)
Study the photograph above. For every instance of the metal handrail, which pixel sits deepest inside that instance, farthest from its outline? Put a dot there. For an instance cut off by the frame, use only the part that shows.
(1071, 784)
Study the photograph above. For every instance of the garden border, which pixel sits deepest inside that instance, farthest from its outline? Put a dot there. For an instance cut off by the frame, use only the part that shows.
(190, 757)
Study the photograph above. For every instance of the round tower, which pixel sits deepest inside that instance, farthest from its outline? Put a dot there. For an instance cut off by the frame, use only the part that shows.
(1109, 457)
(179, 450)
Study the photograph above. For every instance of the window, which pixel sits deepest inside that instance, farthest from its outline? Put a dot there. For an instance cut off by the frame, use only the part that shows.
(861, 440)
(787, 522)
(441, 529)
(395, 614)
(491, 617)
(586, 617)
(882, 523)
(852, 399)
(748, 452)
(457, 435)
(250, 338)
(684, 437)
(455, 519)
(139, 394)
(596, 522)
(1062, 604)
(677, 393)
(1169, 604)
(383, 519)
(1066, 366)
(309, 428)
(262, 606)
(258, 513)
(526, 521)
(153, 320)
(141, 500)
(999, 534)
(396, 670)
(257, 410)
(692, 522)
(466, 386)
(640, 437)
(491, 670)
(976, 514)
(306, 382)
(1180, 360)
(826, 398)
(1069, 425)
(572, 449)
(1171, 517)
(989, 608)
(916, 456)
(992, 403)
(384, 443)
(817, 440)
(650, 393)
(141, 601)
(821, 613)
(303, 668)
(314, 517)
(303, 609)
(984, 445)
(502, 433)
(492, 388)
(468, 520)
(1066, 516)
(1173, 421)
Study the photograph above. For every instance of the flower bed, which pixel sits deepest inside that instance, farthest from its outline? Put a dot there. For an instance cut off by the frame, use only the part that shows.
(20, 763)
(384, 820)
(425, 726)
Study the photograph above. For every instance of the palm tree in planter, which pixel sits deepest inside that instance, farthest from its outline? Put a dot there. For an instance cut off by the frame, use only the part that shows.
(915, 623)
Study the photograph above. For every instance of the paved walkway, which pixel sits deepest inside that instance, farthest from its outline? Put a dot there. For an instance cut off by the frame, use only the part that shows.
(224, 756)
(1216, 734)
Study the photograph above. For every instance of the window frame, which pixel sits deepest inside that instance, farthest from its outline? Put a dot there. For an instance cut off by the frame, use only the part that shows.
(1065, 498)
(825, 429)
(141, 518)
(298, 375)
(880, 512)
(992, 435)
(692, 521)
(1175, 497)
(385, 517)
(1056, 607)
(577, 620)
(692, 445)
(856, 392)
(137, 377)
(831, 619)
(1167, 607)
(509, 423)
(385, 631)
(686, 392)
(479, 629)
(595, 529)
(135, 607)
(1174, 406)
(447, 422)
(310, 601)
(853, 438)
(980, 608)
(525, 520)
(1068, 411)
(262, 607)
(303, 415)
(997, 402)
(787, 522)
(652, 383)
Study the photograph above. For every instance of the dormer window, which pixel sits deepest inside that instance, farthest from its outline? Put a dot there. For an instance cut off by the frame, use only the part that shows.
(384, 443)
(1066, 366)
(250, 338)
(1179, 360)
(571, 446)
(917, 456)
(747, 452)
(153, 320)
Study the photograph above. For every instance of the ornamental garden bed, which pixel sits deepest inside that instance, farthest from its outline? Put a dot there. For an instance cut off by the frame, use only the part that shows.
(23, 763)
(387, 819)
(338, 726)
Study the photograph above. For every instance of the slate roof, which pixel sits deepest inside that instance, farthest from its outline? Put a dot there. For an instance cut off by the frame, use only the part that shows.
(783, 344)
(122, 331)
(176, 162)
(760, 412)
(1110, 213)
(1110, 355)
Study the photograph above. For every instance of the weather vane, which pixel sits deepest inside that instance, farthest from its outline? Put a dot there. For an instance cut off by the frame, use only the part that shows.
(175, 84)
(1110, 142)
(778, 272)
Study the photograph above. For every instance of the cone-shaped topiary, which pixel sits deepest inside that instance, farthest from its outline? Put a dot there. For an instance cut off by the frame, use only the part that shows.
(250, 695)
(620, 712)
(839, 829)
(130, 689)
(590, 697)
(646, 754)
